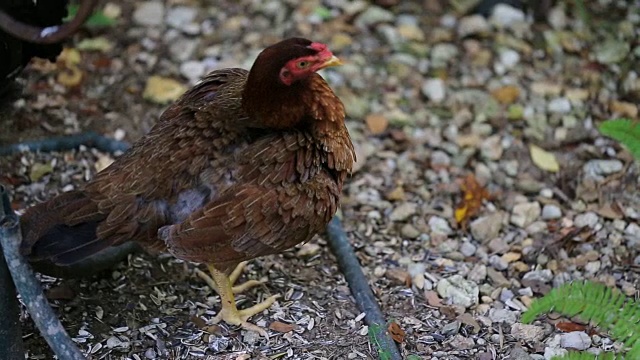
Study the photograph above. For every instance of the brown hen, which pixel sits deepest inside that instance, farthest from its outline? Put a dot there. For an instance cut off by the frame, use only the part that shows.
(245, 164)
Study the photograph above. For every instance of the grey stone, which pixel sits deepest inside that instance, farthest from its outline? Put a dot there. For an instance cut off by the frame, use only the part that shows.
(551, 212)
(578, 340)
(458, 291)
(149, 13)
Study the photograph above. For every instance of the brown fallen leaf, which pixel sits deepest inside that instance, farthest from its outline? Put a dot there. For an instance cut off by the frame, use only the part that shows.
(396, 332)
(400, 275)
(569, 326)
(62, 292)
(198, 321)
(473, 196)
(432, 298)
(507, 94)
(282, 327)
(376, 123)
(468, 319)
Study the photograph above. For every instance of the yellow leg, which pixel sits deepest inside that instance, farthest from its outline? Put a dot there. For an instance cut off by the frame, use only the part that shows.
(232, 279)
(229, 312)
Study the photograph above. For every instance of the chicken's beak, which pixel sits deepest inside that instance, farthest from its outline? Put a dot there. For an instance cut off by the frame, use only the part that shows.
(333, 61)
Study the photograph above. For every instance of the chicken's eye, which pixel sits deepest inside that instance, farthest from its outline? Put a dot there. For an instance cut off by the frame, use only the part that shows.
(302, 64)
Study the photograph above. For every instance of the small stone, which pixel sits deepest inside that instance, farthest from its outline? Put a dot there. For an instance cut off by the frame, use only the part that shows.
(478, 273)
(440, 159)
(498, 263)
(180, 16)
(473, 25)
(525, 332)
(403, 211)
(439, 225)
(518, 353)
(182, 49)
(504, 15)
(467, 249)
(373, 15)
(150, 354)
(546, 88)
(592, 267)
(451, 328)
(559, 106)
(551, 212)
(486, 227)
(509, 58)
(441, 54)
(409, 231)
(543, 276)
(557, 17)
(308, 250)
(458, 291)
(578, 340)
(611, 51)
(434, 89)
(589, 219)
(462, 342)
(192, 70)
(598, 169)
(505, 316)
(525, 213)
(149, 13)
(491, 148)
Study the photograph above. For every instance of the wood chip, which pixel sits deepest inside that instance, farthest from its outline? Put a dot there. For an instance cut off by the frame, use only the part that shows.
(282, 327)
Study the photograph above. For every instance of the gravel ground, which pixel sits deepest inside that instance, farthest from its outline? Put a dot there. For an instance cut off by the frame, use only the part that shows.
(439, 100)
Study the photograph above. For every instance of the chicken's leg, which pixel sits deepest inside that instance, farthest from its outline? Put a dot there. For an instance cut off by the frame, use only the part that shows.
(229, 313)
(232, 279)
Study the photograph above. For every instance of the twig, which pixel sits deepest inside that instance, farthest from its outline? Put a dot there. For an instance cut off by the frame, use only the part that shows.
(30, 290)
(11, 346)
(350, 267)
(61, 143)
(50, 34)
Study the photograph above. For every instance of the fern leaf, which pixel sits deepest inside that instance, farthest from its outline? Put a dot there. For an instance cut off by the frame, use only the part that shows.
(597, 304)
(626, 131)
(574, 355)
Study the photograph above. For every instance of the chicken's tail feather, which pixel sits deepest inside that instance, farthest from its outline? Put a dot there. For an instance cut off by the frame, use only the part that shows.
(49, 237)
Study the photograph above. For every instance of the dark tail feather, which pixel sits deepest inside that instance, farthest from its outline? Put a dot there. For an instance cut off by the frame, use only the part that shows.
(66, 245)
(48, 238)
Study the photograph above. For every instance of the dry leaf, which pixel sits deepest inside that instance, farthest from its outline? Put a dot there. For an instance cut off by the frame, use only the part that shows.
(568, 326)
(623, 108)
(100, 43)
(467, 319)
(38, 170)
(70, 76)
(400, 275)
(62, 292)
(377, 123)
(432, 298)
(163, 90)
(198, 321)
(70, 56)
(281, 327)
(506, 95)
(397, 334)
(544, 159)
(473, 196)
(396, 194)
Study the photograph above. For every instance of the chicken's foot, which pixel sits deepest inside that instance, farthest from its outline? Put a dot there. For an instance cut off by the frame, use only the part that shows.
(229, 313)
(232, 279)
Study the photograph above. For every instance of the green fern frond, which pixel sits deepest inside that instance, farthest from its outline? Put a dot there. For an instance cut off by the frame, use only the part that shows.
(595, 303)
(625, 131)
(574, 355)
